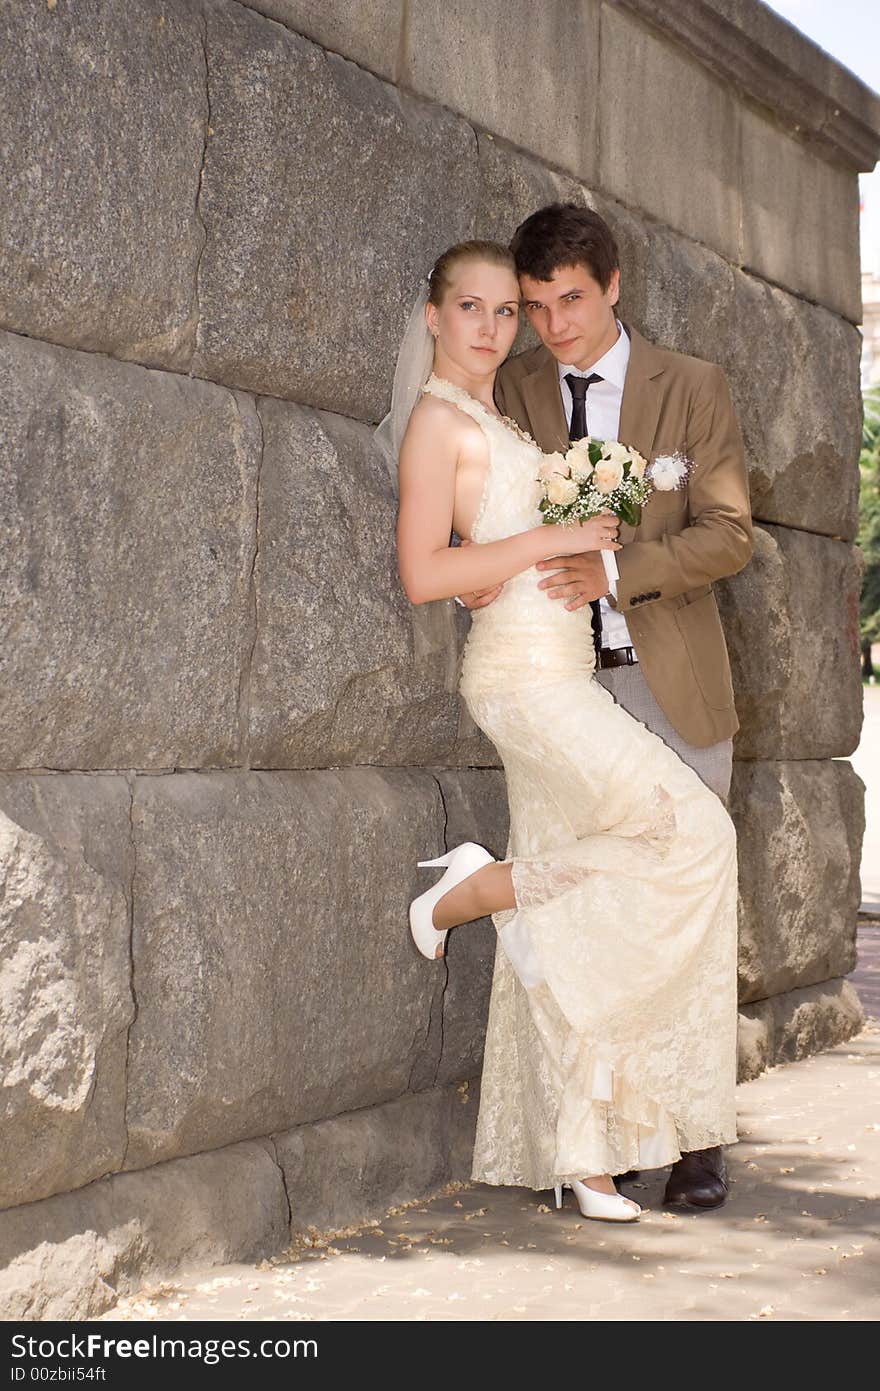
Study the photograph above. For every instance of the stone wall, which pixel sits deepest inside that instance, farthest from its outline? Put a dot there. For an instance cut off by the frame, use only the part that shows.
(225, 737)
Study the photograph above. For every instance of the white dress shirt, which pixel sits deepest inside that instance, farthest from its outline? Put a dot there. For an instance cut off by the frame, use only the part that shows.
(603, 423)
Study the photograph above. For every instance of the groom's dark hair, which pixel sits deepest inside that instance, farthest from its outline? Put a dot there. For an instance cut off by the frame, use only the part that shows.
(564, 234)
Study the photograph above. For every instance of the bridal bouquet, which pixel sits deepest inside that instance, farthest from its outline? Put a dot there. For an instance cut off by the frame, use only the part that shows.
(604, 476)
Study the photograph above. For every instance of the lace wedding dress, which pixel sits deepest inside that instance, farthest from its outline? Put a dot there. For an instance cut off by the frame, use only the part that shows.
(611, 1040)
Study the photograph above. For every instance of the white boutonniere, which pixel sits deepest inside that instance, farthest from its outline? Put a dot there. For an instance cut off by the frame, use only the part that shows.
(670, 472)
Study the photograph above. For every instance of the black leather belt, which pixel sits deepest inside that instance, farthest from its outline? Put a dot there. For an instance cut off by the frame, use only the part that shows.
(617, 657)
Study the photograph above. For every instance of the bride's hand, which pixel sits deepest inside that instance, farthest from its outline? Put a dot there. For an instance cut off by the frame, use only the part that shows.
(598, 534)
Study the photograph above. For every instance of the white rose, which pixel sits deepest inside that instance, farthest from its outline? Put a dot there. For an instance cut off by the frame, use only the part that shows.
(581, 446)
(617, 452)
(667, 473)
(562, 490)
(608, 475)
(579, 464)
(553, 463)
(638, 464)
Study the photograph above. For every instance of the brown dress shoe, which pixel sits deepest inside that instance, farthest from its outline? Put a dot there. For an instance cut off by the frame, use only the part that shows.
(697, 1180)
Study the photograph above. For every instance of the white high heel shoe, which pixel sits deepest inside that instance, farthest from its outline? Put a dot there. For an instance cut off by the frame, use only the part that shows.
(460, 864)
(606, 1207)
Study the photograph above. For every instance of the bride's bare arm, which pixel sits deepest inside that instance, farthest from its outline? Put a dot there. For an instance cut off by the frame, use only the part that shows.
(432, 569)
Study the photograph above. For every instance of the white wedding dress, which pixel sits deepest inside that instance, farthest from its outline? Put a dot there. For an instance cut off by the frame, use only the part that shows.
(611, 1039)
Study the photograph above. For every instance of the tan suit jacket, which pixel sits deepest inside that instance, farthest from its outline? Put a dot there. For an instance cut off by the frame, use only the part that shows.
(685, 539)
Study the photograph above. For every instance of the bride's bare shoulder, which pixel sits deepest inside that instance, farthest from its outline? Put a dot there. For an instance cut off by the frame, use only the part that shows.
(439, 421)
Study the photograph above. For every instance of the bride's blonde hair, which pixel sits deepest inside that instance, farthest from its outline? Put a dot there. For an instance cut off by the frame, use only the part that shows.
(454, 256)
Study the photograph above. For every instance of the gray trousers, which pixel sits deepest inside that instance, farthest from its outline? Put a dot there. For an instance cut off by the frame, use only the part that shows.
(630, 689)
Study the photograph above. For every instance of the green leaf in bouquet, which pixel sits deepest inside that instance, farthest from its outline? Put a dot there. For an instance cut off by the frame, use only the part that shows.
(629, 512)
(596, 450)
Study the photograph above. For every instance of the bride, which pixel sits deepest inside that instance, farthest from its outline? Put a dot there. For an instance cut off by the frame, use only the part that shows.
(611, 1038)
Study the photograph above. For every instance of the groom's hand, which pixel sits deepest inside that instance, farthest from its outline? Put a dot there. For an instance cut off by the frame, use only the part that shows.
(478, 598)
(579, 579)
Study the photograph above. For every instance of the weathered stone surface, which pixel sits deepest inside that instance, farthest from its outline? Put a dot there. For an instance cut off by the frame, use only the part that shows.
(752, 1044)
(103, 113)
(656, 102)
(368, 32)
(675, 291)
(796, 388)
(275, 977)
(791, 622)
(800, 829)
(768, 59)
(127, 519)
(307, 279)
(345, 670)
(798, 400)
(354, 1167)
(72, 1256)
(513, 185)
(65, 994)
(796, 1025)
(528, 73)
(476, 809)
(800, 218)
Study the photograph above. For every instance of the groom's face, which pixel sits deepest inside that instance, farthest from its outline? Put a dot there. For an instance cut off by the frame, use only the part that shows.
(572, 314)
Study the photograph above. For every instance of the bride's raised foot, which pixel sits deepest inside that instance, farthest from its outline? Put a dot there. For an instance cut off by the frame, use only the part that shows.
(459, 864)
(601, 1206)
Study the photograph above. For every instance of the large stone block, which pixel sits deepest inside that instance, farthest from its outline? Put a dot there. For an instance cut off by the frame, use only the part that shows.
(65, 993)
(352, 1168)
(345, 670)
(796, 1025)
(71, 1257)
(800, 218)
(103, 112)
(275, 977)
(655, 103)
(529, 73)
(368, 32)
(127, 520)
(475, 804)
(791, 622)
(794, 374)
(322, 203)
(800, 829)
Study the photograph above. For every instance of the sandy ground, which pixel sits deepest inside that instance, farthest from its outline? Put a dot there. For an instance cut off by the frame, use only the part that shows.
(795, 1241)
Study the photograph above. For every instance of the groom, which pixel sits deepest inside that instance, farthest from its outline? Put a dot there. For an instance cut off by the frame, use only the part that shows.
(660, 648)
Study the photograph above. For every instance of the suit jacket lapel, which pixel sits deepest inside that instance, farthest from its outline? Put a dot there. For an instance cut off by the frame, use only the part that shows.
(543, 401)
(642, 395)
(642, 402)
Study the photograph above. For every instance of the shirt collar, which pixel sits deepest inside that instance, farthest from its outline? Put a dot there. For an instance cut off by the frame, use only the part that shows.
(611, 367)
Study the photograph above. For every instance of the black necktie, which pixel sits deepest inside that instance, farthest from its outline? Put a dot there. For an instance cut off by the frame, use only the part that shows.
(579, 387)
(576, 431)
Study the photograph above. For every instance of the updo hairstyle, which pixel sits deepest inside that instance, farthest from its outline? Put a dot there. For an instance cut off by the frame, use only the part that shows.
(448, 262)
